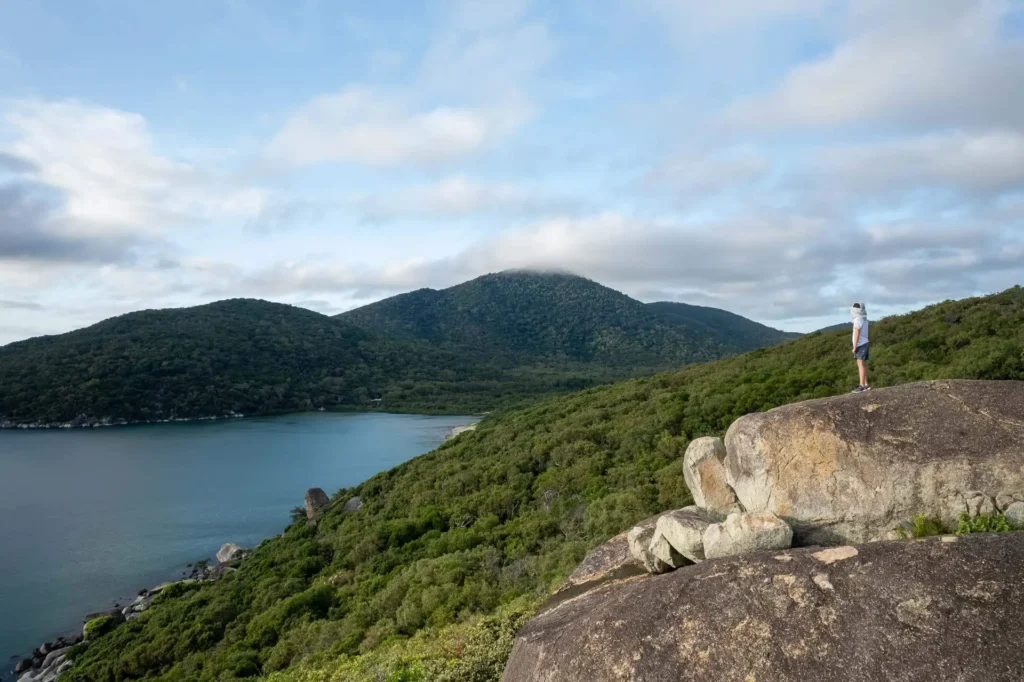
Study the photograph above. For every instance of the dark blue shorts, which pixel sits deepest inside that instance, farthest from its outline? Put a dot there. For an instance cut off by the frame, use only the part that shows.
(863, 352)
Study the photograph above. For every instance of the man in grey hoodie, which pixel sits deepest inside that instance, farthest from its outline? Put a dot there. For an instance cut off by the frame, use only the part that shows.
(861, 345)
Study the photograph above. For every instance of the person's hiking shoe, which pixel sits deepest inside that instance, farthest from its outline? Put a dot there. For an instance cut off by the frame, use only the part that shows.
(861, 389)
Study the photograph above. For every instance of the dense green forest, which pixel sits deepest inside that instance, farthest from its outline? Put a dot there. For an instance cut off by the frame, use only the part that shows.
(530, 335)
(528, 315)
(454, 549)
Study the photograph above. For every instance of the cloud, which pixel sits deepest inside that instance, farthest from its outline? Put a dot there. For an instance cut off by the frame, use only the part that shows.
(458, 196)
(467, 92)
(774, 267)
(84, 183)
(31, 227)
(20, 305)
(983, 163)
(362, 126)
(917, 61)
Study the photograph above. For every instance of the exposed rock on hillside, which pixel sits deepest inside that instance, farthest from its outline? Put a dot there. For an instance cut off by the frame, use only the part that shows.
(229, 551)
(316, 499)
(915, 611)
(848, 469)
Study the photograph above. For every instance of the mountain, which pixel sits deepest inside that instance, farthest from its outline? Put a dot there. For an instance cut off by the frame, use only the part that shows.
(242, 356)
(728, 329)
(533, 315)
(453, 550)
(495, 341)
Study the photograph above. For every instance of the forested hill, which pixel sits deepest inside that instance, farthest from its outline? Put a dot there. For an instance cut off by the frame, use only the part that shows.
(453, 550)
(493, 342)
(240, 355)
(550, 315)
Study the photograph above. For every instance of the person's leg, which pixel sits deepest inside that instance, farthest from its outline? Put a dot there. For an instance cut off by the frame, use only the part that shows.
(862, 367)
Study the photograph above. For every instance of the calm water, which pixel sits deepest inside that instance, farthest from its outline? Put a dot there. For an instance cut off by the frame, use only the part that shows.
(88, 517)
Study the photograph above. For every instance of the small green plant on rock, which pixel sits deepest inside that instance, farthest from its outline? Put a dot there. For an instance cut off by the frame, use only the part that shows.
(925, 527)
(983, 523)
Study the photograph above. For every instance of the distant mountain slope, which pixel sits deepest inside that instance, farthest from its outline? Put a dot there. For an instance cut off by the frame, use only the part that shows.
(729, 329)
(238, 355)
(548, 315)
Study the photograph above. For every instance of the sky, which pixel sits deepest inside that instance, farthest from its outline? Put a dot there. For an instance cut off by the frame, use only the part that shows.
(776, 158)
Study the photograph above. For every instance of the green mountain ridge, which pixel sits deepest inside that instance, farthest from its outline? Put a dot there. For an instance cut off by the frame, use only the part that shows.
(507, 338)
(453, 550)
(533, 314)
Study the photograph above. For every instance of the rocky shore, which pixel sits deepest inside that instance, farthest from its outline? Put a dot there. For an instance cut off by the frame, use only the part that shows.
(86, 422)
(48, 661)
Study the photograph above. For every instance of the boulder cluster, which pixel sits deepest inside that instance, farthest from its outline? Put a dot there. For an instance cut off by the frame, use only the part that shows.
(48, 661)
(716, 526)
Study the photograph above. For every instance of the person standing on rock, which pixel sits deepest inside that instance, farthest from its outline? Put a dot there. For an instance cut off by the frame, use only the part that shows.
(861, 345)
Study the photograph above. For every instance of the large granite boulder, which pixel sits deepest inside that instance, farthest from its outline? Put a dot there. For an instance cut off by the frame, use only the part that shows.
(316, 499)
(704, 472)
(914, 611)
(850, 468)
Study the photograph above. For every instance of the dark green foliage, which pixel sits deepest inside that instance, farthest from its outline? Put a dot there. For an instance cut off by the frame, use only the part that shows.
(506, 338)
(983, 523)
(506, 512)
(924, 527)
(97, 627)
(529, 315)
(725, 328)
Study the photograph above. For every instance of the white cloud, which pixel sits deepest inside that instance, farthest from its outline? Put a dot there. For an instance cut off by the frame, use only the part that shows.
(915, 61)
(110, 178)
(468, 91)
(457, 196)
(971, 163)
(362, 126)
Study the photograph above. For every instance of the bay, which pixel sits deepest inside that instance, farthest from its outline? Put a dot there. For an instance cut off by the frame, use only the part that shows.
(88, 517)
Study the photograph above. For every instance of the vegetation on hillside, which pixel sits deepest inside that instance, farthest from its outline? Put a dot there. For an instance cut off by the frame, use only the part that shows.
(728, 329)
(526, 335)
(241, 356)
(529, 315)
(453, 549)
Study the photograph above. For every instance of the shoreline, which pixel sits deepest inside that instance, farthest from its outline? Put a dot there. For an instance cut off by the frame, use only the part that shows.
(48, 660)
(110, 422)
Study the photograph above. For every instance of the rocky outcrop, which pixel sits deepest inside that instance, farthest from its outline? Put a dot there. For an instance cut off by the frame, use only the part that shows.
(683, 530)
(316, 499)
(915, 611)
(704, 471)
(851, 468)
(743, 533)
(48, 661)
(354, 504)
(639, 540)
(229, 552)
(609, 561)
